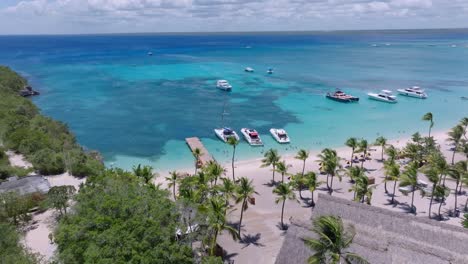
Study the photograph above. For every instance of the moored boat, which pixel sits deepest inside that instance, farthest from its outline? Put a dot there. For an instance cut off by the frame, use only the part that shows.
(248, 69)
(223, 85)
(270, 71)
(383, 96)
(225, 133)
(340, 96)
(414, 91)
(252, 137)
(280, 135)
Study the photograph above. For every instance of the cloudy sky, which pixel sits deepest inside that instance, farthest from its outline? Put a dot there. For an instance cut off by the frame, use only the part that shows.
(118, 16)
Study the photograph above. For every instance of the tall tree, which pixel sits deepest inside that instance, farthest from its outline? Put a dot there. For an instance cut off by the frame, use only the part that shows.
(362, 190)
(283, 192)
(392, 172)
(441, 192)
(271, 158)
(330, 165)
(354, 173)
(197, 154)
(233, 142)
(59, 196)
(382, 142)
(353, 144)
(215, 171)
(302, 155)
(428, 117)
(244, 193)
(310, 180)
(432, 175)
(282, 168)
(332, 242)
(364, 148)
(455, 137)
(145, 173)
(457, 173)
(298, 182)
(172, 182)
(410, 178)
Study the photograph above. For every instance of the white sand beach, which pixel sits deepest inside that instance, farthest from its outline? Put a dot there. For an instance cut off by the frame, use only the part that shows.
(261, 235)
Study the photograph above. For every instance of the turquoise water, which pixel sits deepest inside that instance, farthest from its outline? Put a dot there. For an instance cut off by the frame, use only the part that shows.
(136, 108)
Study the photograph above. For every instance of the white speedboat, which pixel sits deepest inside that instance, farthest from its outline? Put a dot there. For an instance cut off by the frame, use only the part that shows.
(225, 133)
(270, 71)
(280, 135)
(223, 85)
(252, 137)
(248, 69)
(383, 96)
(414, 91)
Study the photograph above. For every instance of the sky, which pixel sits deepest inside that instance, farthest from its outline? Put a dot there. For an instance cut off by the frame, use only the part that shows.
(132, 16)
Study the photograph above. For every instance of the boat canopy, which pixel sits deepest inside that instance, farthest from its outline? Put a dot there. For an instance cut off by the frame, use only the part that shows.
(281, 132)
(386, 91)
(227, 131)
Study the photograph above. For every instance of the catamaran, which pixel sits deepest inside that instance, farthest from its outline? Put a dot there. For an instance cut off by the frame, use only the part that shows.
(280, 135)
(223, 85)
(414, 91)
(384, 96)
(252, 137)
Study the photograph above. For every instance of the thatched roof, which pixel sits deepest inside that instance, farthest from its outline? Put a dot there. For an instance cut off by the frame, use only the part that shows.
(382, 236)
(25, 185)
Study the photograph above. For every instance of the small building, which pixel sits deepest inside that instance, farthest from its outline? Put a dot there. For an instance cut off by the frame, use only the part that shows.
(25, 185)
(382, 236)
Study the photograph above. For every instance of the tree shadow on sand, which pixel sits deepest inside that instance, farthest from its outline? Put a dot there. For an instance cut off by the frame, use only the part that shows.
(250, 239)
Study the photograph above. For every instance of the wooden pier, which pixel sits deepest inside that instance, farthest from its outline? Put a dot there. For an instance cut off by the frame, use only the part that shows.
(194, 143)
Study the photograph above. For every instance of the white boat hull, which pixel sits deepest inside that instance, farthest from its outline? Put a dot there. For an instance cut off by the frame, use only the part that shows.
(410, 94)
(249, 140)
(381, 99)
(224, 88)
(277, 138)
(219, 133)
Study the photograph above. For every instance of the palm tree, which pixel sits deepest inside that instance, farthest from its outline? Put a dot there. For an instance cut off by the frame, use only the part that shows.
(330, 165)
(196, 154)
(410, 178)
(244, 193)
(298, 182)
(363, 147)
(432, 175)
(428, 117)
(284, 192)
(355, 173)
(392, 173)
(332, 242)
(455, 136)
(145, 172)
(458, 173)
(172, 179)
(233, 142)
(441, 192)
(381, 141)
(215, 171)
(227, 189)
(282, 167)
(464, 124)
(362, 190)
(353, 144)
(392, 153)
(271, 158)
(310, 180)
(215, 211)
(302, 155)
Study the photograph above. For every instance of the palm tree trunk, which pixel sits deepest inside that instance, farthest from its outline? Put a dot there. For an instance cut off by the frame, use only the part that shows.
(300, 191)
(233, 155)
(282, 213)
(213, 243)
(382, 153)
(303, 168)
(330, 190)
(432, 199)
(352, 155)
(328, 186)
(242, 214)
(394, 190)
(312, 202)
(282, 177)
(430, 127)
(385, 184)
(466, 204)
(412, 200)
(274, 169)
(460, 189)
(456, 199)
(440, 206)
(453, 154)
(173, 191)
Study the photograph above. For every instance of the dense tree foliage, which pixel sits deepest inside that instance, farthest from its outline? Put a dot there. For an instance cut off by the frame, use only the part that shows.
(11, 250)
(47, 143)
(118, 218)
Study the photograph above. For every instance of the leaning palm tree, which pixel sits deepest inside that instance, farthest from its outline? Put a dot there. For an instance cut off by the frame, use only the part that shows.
(330, 165)
(332, 242)
(215, 171)
(428, 117)
(455, 137)
(392, 153)
(353, 144)
(244, 193)
(197, 154)
(216, 222)
(282, 168)
(410, 178)
(441, 192)
(172, 181)
(311, 182)
(432, 175)
(284, 192)
(364, 148)
(457, 173)
(381, 141)
(233, 142)
(298, 181)
(271, 158)
(302, 155)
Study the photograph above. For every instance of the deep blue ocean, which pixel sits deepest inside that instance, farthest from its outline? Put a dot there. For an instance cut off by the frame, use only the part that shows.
(136, 108)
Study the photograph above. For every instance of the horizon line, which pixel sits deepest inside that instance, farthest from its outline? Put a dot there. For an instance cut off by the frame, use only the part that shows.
(240, 32)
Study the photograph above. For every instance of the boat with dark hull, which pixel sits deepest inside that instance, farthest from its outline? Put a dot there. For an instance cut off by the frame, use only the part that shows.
(340, 96)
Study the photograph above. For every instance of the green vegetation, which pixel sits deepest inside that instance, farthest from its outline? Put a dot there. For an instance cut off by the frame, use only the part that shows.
(47, 144)
(120, 218)
(332, 242)
(11, 250)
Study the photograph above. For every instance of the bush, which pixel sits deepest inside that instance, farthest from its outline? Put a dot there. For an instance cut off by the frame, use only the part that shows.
(48, 162)
(11, 250)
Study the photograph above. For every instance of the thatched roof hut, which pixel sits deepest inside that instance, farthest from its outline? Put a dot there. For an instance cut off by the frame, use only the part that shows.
(382, 236)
